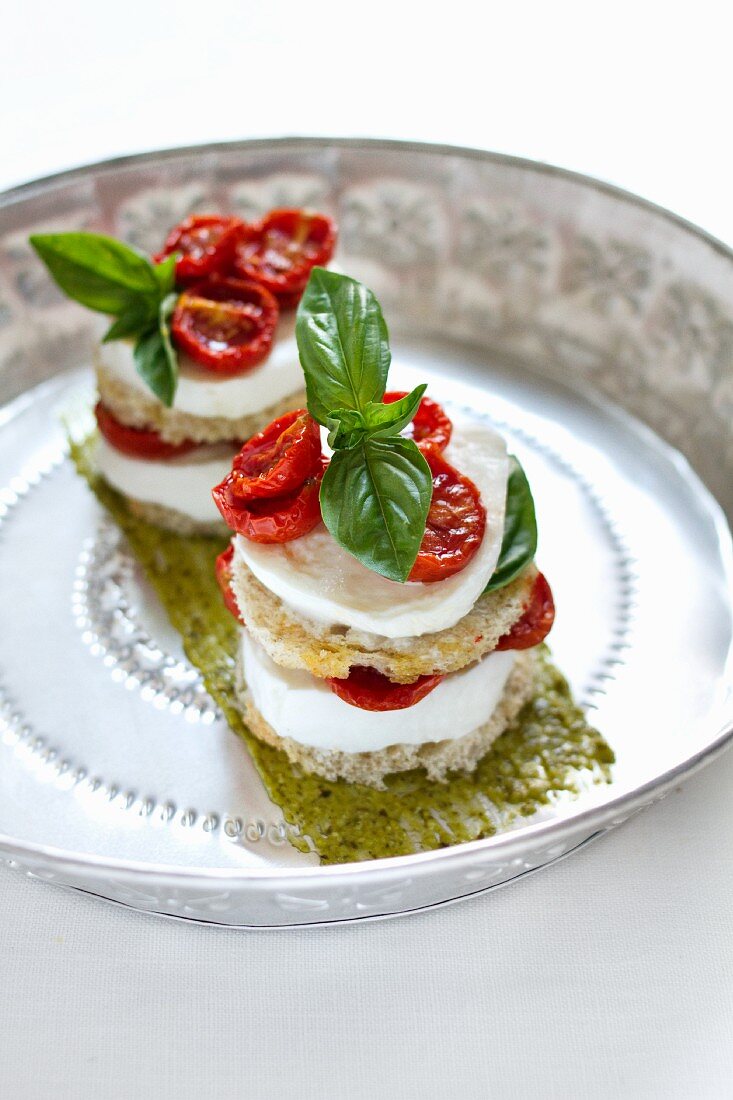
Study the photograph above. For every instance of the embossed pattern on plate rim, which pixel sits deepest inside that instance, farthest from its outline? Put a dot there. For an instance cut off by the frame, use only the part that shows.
(466, 152)
(565, 854)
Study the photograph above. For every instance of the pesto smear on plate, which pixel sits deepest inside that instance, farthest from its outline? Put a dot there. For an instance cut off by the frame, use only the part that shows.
(548, 753)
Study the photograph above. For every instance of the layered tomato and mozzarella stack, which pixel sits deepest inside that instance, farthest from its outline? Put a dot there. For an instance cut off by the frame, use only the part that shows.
(201, 353)
(351, 673)
(232, 329)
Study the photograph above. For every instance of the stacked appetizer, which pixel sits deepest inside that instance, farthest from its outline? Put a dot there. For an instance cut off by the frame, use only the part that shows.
(201, 353)
(381, 565)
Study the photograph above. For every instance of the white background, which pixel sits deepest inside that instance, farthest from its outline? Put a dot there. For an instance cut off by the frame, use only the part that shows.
(636, 93)
(610, 975)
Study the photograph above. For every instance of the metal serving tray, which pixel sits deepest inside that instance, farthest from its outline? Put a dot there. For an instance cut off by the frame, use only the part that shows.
(595, 329)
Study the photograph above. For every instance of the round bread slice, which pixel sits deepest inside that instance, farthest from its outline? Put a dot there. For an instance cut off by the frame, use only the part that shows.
(332, 650)
(437, 757)
(142, 410)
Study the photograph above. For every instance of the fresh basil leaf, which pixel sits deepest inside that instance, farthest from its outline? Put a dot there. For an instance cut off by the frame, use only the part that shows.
(164, 318)
(520, 529)
(153, 366)
(165, 273)
(343, 344)
(155, 356)
(375, 499)
(346, 428)
(100, 272)
(390, 419)
(139, 317)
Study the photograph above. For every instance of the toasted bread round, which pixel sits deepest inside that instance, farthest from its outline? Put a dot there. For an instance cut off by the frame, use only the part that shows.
(295, 642)
(142, 410)
(437, 757)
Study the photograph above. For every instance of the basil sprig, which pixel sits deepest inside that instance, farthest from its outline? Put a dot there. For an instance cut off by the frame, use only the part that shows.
(519, 543)
(376, 491)
(111, 277)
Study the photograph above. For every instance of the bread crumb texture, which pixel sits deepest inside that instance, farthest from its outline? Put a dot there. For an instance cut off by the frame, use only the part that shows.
(332, 650)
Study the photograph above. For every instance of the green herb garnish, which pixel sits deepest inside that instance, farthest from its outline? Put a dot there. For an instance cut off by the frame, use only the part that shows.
(111, 277)
(519, 543)
(377, 489)
(376, 492)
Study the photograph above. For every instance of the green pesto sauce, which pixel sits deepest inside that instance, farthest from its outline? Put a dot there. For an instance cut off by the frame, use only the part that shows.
(549, 752)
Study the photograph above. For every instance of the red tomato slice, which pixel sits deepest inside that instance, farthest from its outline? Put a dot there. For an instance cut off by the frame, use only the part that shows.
(226, 325)
(272, 519)
(137, 442)
(206, 244)
(455, 525)
(430, 426)
(536, 622)
(371, 690)
(223, 568)
(278, 459)
(281, 250)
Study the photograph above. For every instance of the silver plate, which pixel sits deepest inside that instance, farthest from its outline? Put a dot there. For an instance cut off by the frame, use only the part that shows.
(593, 328)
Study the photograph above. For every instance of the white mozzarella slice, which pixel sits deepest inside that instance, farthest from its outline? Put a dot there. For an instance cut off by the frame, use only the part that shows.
(319, 580)
(182, 483)
(298, 705)
(201, 392)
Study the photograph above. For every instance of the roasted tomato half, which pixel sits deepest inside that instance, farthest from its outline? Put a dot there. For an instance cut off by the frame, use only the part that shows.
(430, 426)
(137, 442)
(278, 459)
(281, 250)
(371, 690)
(455, 525)
(223, 568)
(227, 325)
(205, 243)
(536, 621)
(272, 519)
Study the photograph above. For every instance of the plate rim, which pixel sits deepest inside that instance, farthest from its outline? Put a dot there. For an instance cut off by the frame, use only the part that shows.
(503, 844)
(23, 190)
(369, 918)
(613, 811)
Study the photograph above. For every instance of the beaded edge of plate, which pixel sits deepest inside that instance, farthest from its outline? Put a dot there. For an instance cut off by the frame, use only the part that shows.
(146, 666)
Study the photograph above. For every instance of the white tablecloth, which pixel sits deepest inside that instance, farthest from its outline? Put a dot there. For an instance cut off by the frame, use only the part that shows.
(609, 975)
